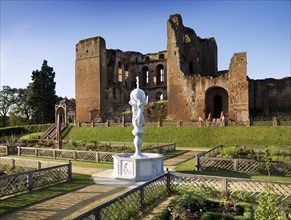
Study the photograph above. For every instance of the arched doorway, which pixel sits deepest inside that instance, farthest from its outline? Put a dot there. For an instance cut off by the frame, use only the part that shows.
(60, 111)
(216, 101)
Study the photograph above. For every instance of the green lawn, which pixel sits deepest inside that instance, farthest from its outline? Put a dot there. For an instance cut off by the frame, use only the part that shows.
(76, 163)
(189, 167)
(78, 181)
(206, 137)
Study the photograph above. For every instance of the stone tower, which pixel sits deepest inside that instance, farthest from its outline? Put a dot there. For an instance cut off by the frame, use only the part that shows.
(90, 79)
(195, 87)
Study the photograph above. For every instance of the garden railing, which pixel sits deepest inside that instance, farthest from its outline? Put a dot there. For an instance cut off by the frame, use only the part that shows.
(208, 161)
(89, 156)
(129, 204)
(45, 174)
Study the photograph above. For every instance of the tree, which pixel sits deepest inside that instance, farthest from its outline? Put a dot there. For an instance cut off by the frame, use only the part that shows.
(21, 111)
(7, 99)
(42, 94)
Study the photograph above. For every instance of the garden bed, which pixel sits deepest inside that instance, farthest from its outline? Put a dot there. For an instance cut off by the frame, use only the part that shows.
(243, 159)
(255, 152)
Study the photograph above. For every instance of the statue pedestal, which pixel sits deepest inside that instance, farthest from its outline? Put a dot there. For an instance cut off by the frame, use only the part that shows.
(138, 169)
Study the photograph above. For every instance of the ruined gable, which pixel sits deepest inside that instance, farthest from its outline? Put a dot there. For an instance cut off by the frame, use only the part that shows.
(195, 88)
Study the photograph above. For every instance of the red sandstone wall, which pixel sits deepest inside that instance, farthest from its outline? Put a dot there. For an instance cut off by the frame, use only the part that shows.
(90, 79)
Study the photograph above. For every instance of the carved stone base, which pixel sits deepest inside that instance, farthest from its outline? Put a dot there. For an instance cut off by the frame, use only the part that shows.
(138, 169)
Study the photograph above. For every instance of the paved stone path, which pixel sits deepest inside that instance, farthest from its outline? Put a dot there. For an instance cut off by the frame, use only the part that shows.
(74, 203)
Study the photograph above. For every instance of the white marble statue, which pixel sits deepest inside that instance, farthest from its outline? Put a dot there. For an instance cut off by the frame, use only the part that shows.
(138, 100)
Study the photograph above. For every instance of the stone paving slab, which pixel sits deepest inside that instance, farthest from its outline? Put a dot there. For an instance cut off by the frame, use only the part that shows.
(69, 205)
(106, 178)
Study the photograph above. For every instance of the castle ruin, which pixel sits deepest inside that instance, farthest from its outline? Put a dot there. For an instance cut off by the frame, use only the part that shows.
(185, 74)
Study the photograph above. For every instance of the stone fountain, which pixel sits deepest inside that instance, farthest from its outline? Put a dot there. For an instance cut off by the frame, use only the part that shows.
(138, 166)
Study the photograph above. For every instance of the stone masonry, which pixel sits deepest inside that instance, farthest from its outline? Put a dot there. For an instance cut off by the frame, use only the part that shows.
(185, 74)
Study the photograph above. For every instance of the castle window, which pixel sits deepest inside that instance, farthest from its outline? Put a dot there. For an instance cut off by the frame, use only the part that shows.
(159, 96)
(87, 51)
(147, 59)
(145, 77)
(119, 72)
(161, 56)
(126, 71)
(160, 74)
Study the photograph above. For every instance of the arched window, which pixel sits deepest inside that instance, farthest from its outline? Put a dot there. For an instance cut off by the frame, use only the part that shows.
(145, 76)
(190, 67)
(160, 74)
(126, 72)
(119, 72)
(159, 96)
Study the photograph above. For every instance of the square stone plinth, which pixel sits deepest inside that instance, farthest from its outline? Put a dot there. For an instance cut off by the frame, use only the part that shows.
(138, 169)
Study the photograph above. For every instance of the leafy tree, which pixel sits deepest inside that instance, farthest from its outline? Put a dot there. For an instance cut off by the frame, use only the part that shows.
(7, 99)
(21, 112)
(42, 95)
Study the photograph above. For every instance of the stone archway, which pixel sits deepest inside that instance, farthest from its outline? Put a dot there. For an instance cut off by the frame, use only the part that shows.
(61, 112)
(216, 101)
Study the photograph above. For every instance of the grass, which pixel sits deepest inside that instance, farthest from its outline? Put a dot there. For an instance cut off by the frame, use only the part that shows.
(22, 200)
(74, 163)
(189, 136)
(189, 167)
(92, 164)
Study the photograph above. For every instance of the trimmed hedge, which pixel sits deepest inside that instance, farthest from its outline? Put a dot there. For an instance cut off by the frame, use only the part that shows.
(22, 130)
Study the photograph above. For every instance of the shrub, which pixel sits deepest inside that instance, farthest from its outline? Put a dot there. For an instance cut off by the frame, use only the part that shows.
(155, 111)
(270, 207)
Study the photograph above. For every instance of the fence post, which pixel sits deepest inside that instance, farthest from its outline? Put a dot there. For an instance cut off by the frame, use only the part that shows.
(35, 152)
(70, 170)
(280, 168)
(97, 215)
(141, 198)
(54, 153)
(38, 166)
(13, 162)
(97, 157)
(224, 185)
(168, 180)
(18, 151)
(6, 148)
(74, 155)
(30, 181)
(197, 162)
(235, 162)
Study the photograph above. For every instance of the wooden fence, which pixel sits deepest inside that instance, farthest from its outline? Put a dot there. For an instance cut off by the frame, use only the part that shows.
(89, 156)
(129, 204)
(216, 122)
(207, 161)
(44, 174)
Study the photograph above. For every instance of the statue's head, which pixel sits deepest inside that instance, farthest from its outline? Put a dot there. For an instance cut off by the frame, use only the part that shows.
(137, 94)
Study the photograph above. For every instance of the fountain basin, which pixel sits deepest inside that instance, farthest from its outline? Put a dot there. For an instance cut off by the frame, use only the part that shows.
(138, 169)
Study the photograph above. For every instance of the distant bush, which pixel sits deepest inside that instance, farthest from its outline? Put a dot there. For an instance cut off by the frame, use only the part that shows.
(155, 111)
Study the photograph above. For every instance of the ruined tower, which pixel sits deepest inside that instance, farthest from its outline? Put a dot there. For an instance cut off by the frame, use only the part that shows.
(195, 87)
(90, 79)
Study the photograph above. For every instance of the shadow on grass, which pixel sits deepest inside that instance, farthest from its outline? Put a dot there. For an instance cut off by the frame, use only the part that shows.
(19, 201)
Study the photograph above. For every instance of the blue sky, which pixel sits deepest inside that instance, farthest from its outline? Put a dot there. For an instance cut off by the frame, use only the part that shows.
(32, 31)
